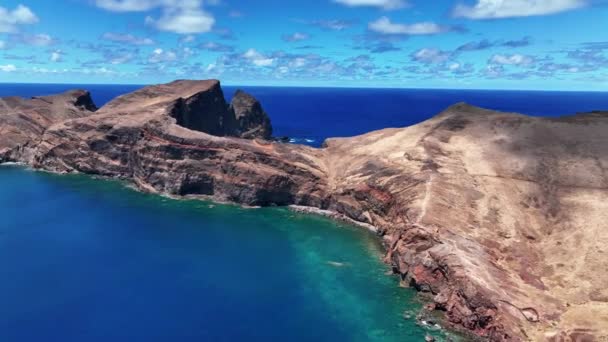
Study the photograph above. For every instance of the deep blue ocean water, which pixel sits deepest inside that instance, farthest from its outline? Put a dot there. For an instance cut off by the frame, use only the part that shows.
(85, 259)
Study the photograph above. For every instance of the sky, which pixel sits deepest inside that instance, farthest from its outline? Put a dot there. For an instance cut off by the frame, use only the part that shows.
(460, 44)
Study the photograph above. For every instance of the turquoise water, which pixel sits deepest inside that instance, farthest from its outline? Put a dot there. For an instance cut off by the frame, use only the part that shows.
(83, 259)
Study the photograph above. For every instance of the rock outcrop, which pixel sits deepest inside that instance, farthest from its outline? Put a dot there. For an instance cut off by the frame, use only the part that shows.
(499, 217)
(201, 106)
(253, 122)
(23, 121)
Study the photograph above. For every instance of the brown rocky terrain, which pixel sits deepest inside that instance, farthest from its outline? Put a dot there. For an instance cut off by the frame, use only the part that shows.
(499, 217)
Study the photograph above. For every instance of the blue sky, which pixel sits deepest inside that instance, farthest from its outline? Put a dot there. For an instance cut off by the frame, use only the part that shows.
(482, 44)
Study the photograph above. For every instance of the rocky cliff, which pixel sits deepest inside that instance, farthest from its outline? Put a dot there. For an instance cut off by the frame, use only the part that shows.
(23, 121)
(253, 122)
(500, 218)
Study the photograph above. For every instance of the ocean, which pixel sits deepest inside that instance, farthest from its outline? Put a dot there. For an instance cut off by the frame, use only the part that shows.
(85, 259)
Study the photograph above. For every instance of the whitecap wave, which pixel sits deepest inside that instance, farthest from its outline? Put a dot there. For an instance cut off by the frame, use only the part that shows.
(302, 140)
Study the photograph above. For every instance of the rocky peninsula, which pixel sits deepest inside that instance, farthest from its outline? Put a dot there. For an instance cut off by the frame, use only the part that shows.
(499, 218)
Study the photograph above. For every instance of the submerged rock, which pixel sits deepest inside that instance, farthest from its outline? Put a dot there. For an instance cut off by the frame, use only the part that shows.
(497, 216)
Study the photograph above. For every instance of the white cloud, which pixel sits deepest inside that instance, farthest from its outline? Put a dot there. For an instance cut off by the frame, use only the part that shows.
(121, 58)
(8, 68)
(298, 62)
(98, 71)
(56, 56)
(211, 67)
(2, 45)
(385, 26)
(454, 66)
(183, 20)
(494, 9)
(9, 20)
(384, 4)
(296, 37)
(178, 16)
(127, 38)
(333, 24)
(257, 58)
(128, 5)
(493, 70)
(430, 55)
(159, 55)
(37, 39)
(187, 52)
(187, 39)
(515, 59)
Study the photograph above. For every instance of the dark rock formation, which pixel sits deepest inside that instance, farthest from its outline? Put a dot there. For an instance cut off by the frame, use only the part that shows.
(253, 122)
(500, 217)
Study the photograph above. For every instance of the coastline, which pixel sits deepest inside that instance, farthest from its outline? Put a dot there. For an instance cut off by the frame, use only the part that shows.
(422, 318)
(462, 222)
(333, 215)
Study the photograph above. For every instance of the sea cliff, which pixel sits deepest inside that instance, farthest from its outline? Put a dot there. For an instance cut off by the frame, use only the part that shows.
(498, 217)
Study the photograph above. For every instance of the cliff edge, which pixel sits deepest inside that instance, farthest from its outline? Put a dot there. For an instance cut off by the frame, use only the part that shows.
(499, 217)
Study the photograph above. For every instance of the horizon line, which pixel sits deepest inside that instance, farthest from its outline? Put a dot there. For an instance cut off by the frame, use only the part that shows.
(230, 84)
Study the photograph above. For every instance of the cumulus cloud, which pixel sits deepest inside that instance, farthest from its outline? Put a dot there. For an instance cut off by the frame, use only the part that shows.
(257, 58)
(384, 4)
(127, 38)
(187, 39)
(216, 47)
(430, 55)
(330, 24)
(56, 56)
(178, 16)
(494, 9)
(590, 56)
(120, 58)
(35, 39)
(385, 26)
(460, 68)
(159, 56)
(11, 19)
(128, 5)
(8, 68)
(183, 20)
(515, 59)
(296, 37)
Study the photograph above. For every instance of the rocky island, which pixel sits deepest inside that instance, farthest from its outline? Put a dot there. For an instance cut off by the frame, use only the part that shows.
(499, 218)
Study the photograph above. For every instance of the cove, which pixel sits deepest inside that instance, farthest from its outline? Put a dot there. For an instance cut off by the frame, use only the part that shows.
(84, 259)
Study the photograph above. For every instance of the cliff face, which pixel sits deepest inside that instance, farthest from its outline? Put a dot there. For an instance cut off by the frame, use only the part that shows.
(253, 122)
(499, 217)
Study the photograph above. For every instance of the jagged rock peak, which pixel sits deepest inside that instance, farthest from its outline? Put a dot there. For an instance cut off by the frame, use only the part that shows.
(199, 106)
(253, 122)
